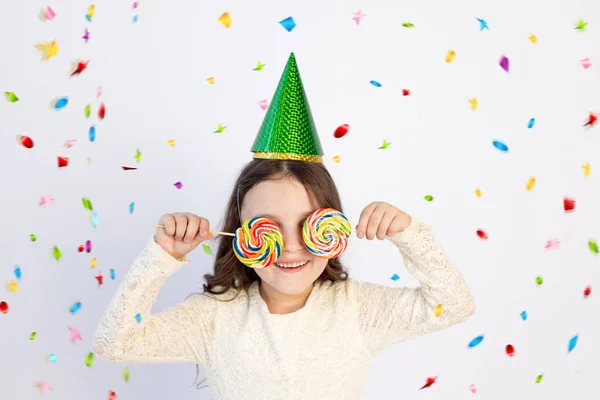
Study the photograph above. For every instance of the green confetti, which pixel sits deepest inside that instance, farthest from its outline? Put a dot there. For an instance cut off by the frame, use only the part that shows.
(408, 25)
(539, 280)
(539, 378)
(88, 110)
(57, 253)
(138, 155)
(126, 374)
(207, 249)
(32, 237)
(87, 204)
(385, 145)
(32, 336)
(89, 360)
(10, 96)
(428, 197)
(593, 246)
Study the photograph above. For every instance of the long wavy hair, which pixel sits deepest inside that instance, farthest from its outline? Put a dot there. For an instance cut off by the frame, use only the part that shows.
(229, 272)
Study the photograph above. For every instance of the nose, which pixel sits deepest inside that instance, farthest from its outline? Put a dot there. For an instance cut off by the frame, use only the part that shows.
(292, 239)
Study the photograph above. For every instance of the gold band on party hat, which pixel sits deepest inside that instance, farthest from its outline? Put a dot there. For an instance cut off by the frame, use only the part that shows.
(288, 131)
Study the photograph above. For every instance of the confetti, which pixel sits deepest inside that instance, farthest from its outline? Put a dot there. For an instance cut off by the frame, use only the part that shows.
(220, 129)
(102, 111)
(581, 25)
(482, 24)
(81, 66)
(70, 143)
(3, 307)
(225, 19)
(52, 358)
(93, 263)
(408, 25)
(592, 120)
(171, 142)
(568, 204)
(263, 104)
(88, 246)
(473, 103)
(90, 13)
(12, 286)
(75, 308)
(259, 66)
(48, 50)
(48, 14)
(75, 334)
(178, 185)
(56, 253)
(86, 35)
(126, 374)
(138, 318)
(131, 208)
(428, 197)
(500, 146)
(482, 234)
(87, 204)
(395, 277)
(552, 244)
(32, 335)
(539, 378)
(207, 249)
(94, 219)
(476, 341)
(112, 274)
(504, 63)
(60, 103)
(572, 343)
(358, 16)
(25, 141)
(478, 192)
(531, 123)
(341, 131)
(100, 279)
(43, 387)
(593, 246)
(135, 19)
(450, 56)
(438, 310)
(138, 155)
(32, 237)
(92, 133)
(17, 272)
(89, 360)
(530, 183)
(46, 201)
(533, 39)
(510, 350)
(430, 381)
(539, 280)
(524, 315)
(586, 169)
(405, 92)
(11, 97)
(336, 159)
(112, 395)
(587, 291)
(375, 83)
(385, 145)
(473, 389)
(210, 80)
(288, 23)
(586, 63)
(88, 110)
(98, 92)
(128, 168)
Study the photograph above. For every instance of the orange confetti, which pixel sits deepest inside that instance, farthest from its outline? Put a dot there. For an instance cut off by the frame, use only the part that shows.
(211, 80)
(530, 183)
(450, 56)
(336, 159)
(225, 19)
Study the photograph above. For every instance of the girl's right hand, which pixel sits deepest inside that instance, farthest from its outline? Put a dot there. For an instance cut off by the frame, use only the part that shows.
(182, 233)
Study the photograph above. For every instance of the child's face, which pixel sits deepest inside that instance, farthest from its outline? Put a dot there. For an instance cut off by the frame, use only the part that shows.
(286, 202)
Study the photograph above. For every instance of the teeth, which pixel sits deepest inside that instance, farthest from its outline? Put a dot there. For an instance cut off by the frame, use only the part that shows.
(291, 265)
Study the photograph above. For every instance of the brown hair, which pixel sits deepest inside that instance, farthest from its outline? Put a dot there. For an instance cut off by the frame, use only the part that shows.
(229, 272)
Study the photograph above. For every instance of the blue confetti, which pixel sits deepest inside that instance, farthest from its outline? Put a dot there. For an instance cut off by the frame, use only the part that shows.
(88, 18)
(112, 274)
(131, 208)
(289, 24)
(531, 123)
(94, 219)
(476, 341)
(500, 146)
(92, 133)
(135, 19)
(52, 358)
(395, 277)
(138, 318)
(17, 271)
(61, 103)
(375, 83)
(524, 315)
(573, 342)
(75, 307)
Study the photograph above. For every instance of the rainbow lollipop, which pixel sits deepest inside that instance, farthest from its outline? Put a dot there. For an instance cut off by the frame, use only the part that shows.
(258, 242)
(326, 233)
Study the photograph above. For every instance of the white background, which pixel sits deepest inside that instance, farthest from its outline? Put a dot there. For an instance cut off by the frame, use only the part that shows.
(153, 78)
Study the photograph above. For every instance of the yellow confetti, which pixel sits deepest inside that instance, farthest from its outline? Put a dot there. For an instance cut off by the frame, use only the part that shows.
(586, 169)
(478, 192)
(533, 39)
(438, 310)
(171, 142)
(530, 183)
(211, 80)
(49, 49)
(336, 159)
(225, 19)
(473, 103)
(450, 56)
(94, 262)
(91, 11)
(12, 286)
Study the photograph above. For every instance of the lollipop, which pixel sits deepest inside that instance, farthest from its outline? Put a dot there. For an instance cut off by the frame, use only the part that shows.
(258, 243)
(326, 233)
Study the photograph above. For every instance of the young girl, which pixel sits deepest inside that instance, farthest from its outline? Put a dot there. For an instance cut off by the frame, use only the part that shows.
(300, 328)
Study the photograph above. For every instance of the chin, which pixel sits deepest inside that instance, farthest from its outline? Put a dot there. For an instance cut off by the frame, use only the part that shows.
(291, 280)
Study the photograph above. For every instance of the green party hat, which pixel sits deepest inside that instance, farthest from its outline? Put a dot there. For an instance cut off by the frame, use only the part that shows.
(288, 131)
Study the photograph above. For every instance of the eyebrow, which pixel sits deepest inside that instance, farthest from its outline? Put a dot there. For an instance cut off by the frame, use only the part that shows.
(274, 218)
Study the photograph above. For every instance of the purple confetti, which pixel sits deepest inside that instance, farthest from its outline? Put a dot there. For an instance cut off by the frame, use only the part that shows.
(178, 185)
(504, 63)
(88, 246)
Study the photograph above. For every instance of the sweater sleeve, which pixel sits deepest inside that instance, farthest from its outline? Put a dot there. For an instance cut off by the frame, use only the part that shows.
(130, 333)
(390, 315)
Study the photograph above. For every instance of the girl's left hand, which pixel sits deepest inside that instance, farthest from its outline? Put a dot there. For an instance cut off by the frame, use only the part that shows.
(381, 219)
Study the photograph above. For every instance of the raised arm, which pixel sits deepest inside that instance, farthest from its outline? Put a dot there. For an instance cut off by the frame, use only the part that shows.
(390, 315)
(177, 334)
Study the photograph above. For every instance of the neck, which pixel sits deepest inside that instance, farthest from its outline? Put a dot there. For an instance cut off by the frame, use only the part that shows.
(281, 303)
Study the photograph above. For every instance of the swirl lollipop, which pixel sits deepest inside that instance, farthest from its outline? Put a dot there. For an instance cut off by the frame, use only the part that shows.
(326, 233)
(258, 242)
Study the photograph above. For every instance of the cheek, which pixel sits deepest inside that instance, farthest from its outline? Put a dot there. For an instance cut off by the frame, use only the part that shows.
(319, 264)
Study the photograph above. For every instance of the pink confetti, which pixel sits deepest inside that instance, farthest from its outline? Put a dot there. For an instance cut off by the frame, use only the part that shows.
(586, 63)
(504, 63)
(43, 386)
(358, 16)
(99, 91)
(70, 143)
(46, 201)
(178, 185)
(264, 104)
(49, 14)
(86, 36)
(552, 244)
(75, 334)
(473, 389)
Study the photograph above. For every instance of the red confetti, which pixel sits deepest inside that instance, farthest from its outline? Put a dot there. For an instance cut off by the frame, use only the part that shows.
(430, 381)
(112, 395)
(510, 350)
(592, 119)
(25, 141)
(341, 131)
(569, 204)
(405, 92)
(482, 234)
(128, 168)
(587, 291)
(63, 162)
(81, 66)
(3, 307)
(99, 278)
(102, 111)
(80, 248)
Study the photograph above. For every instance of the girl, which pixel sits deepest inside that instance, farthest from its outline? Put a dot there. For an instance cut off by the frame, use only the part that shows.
(298, 329)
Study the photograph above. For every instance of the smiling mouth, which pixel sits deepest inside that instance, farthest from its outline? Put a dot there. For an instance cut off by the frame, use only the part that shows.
(294, 265)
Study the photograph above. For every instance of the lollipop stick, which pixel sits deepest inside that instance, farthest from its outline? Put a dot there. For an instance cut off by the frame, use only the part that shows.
(213, 232)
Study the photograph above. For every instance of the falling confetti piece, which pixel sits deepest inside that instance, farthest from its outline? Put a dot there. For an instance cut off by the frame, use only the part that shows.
(32, 335)
(89, 360)
(88, 246)
(138, 155)
(581, 25)
(263, 104)
(86, 35)
(288, 23)
(405, 92)
(572, 343)
(210, 80)
(32, 237)
(94, 219)
(135, 19)
(138, 318)
(395, 277)
(586, 63)
(43, 387)
(70, 143)
(126, 374)
(504, 63)
(336, 159)
(128, 168)
(112, 274)
(568, 204)
(450, 56)
(500, 146)
(87, 204)
(61, 103)
(438, 310)
(3, 307)
(88, 110)
(482, 234)
(52, 358)
(593, 246)
(56, 253)
(539, 280)
(592, 120)
(49, 50)
(102, 111)
(75, 334)
(587, 291)
(533, 39)
(90, 13)
(259, 66)
(131, 208)
(552, 244)
(12, 286)
(100, 279)
(171, 142)
(385, 145)
(473, 389)
(112, 395)
(47, 14)
(11, 97)
(430, 381)
(220, 129)
(358, 16)
(473, 103)
(586, 169)
(428, 197)
(341, 131)
(524, 315)
(225, 19)
(483, 24)
(408, 25)
(17, 272)
(510, 350)
(92, 133)
(178, 185)
(476, 341)
(46, 201)
(478, 192)
(375, 83)
(80, 67)
(539, 378)
(93, 263)
(531, 123)
(25, 141)
(530, 183)
(75, 307)
(207, 249)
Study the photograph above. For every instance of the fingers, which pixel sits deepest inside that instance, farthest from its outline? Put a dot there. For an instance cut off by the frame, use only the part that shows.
(205, 229)
(384, 226)
(180, 226)
(396, 226)
(363, 221)
(193, 225)
(374, 222)
(168, 221)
